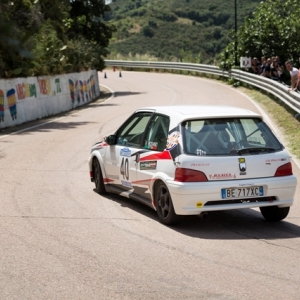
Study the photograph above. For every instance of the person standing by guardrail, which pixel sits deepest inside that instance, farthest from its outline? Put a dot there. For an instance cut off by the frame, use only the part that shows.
(294, 75)
(298, 85)
(267, 70)
(275, 71)
(262, 66)
(255, 66)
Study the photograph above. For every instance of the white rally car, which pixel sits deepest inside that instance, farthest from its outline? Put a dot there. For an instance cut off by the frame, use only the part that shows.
(187, 160)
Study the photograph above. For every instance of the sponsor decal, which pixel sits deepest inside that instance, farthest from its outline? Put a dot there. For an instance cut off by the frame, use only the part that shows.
(254, 140)
(246, 184)
(126, 183)
(101, 145)
(242, 165)
(115, 177)
(152, 145)
(222, 176)
(269, 161)
(125, 152)
(148, 165)
(147, 182)
(200, 165)
(107, 180)
(200, 152)
(199, 204)
(172, 140)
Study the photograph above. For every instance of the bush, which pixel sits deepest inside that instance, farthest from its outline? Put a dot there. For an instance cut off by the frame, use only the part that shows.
(147, 31)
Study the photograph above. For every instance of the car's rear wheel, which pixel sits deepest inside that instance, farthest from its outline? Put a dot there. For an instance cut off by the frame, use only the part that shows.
(98, 177)
(274, 213)
(164, 206)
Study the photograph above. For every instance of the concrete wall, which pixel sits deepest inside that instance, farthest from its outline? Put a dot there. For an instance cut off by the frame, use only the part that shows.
(31, 98)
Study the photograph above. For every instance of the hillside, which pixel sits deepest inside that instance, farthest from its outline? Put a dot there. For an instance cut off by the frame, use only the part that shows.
(190, 30)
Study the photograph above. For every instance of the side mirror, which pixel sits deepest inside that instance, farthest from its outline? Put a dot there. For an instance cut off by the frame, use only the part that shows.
(111, 139)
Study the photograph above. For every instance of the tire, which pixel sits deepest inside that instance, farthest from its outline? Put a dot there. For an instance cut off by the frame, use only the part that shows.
(274, 213)
(98, 177)
(164, 206)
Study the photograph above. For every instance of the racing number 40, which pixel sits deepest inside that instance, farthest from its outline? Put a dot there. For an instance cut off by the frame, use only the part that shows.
(124, 169)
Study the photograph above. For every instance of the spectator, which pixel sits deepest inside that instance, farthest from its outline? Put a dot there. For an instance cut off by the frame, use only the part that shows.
(298, 86)
(279, 62)
(267, 71)
(255, 66)
(262, 66)
(275, 71)
(272, 60)
(294, 75)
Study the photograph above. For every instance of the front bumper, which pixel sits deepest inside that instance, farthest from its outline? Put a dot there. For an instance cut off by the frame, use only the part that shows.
(192, 198)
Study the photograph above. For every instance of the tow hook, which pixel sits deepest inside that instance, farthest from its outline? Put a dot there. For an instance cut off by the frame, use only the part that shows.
(203, 215)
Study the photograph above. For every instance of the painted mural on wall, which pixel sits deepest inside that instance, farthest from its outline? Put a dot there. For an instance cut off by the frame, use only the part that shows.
(20, 91)
(23, 99)
(82, 90)
(1, 106)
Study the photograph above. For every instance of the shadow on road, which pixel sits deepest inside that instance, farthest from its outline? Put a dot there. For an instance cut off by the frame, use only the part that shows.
(46, 123)
(242, 224)
(127, 93)
(47, 127)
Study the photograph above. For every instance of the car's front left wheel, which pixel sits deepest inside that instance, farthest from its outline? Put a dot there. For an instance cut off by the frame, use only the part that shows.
(274, 213)
(164, 206)
(98, 177)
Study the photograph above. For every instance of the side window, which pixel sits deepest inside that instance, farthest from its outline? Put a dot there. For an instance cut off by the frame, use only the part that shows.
(258, 134)
(157, 134)
(253, 133)
(131, 133)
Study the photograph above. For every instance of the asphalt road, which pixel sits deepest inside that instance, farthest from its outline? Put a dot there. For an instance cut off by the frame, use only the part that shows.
(61, 240)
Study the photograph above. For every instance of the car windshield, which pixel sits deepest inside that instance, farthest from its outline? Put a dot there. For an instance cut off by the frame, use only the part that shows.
(230, 136)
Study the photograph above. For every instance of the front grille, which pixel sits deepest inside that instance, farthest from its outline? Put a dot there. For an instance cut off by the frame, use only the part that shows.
(238, 201)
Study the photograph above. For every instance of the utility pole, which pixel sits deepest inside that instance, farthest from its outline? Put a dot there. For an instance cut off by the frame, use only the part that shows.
(235, 38)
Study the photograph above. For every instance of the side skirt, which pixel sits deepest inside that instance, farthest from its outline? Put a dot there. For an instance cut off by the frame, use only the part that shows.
(129, 194)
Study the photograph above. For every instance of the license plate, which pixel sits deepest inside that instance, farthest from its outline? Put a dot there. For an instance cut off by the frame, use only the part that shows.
(243, 192)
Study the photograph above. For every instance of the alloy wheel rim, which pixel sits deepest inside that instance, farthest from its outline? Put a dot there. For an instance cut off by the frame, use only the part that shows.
(164, 202)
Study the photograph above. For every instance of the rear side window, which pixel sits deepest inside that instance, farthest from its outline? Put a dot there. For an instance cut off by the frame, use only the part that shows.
(156, 137)
(234, 136)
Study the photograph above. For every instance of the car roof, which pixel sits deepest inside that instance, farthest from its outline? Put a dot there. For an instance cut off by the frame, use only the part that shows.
(184, 112)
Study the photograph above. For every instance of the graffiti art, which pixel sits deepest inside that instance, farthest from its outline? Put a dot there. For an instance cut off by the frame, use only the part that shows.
(1, 106)
(12, 103)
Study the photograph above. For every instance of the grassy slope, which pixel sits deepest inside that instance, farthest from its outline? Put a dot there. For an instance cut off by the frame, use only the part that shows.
(189, 30)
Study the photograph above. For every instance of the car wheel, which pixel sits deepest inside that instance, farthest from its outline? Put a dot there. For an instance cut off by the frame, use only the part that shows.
(98, 178)
(164, 206)
(274, 213)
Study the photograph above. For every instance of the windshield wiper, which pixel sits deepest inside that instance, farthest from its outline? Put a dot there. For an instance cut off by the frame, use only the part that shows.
(252, 150)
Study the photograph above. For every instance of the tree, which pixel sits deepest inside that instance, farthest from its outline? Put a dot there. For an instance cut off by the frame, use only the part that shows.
(273, 30)
(45, 37)
(87, 21)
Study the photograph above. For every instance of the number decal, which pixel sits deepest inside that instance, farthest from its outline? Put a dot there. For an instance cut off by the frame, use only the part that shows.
(124, 168)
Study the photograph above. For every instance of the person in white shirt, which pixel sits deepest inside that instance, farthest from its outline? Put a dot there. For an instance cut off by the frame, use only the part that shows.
(294, 75)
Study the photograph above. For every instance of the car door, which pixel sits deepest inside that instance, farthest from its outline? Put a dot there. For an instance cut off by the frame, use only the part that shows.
(154, 157)
(120, 162)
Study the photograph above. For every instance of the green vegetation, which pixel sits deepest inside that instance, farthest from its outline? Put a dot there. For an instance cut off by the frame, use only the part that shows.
(183, 30)
(44, 37)
(273, 30)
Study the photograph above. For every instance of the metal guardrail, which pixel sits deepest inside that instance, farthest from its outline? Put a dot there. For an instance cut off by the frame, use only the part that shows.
(292, 99)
